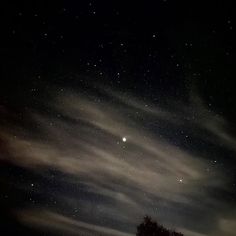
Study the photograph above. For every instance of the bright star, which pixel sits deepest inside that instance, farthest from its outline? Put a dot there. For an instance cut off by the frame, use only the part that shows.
(124, 139)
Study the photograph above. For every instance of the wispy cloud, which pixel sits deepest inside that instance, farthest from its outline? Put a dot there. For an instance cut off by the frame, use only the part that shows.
(82, 136)
(51, 221)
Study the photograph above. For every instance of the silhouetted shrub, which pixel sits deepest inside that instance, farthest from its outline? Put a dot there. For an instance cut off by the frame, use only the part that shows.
(151, 228)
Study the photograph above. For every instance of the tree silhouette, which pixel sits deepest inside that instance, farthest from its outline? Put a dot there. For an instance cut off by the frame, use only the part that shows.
(151, 228)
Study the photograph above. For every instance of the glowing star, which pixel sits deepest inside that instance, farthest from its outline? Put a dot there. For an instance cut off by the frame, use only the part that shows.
(181, 180)
(124, 139)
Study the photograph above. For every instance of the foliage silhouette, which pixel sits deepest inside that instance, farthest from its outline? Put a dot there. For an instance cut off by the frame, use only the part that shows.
(151, 228)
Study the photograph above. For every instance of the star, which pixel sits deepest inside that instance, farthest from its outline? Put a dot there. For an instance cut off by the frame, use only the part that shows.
(124, 139)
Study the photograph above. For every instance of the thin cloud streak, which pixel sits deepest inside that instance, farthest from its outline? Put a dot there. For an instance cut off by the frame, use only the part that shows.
(51, 221)
(85, 140)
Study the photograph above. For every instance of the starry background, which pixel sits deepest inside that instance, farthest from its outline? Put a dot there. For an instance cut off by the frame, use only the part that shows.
(113, 110)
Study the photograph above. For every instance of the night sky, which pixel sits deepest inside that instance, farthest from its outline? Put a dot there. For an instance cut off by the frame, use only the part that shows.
(113, 110)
